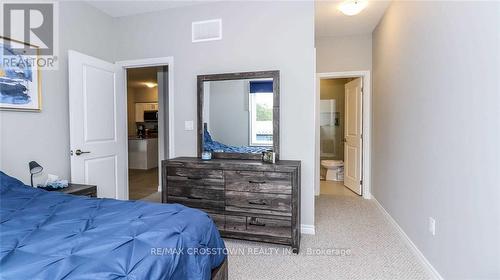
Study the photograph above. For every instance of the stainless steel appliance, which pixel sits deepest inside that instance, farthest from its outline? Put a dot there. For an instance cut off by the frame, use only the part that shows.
(151, 116)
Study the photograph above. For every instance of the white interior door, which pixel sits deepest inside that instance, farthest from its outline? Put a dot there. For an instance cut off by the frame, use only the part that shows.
(97, 125)
(353, 135)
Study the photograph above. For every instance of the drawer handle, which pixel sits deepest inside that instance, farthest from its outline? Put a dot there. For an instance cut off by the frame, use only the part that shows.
(194, 197)
(258, 202)
(256, 182)
(194, 178)
(257, 224)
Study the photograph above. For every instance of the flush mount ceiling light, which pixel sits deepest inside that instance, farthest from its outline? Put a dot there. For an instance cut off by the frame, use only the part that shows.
(150, 85)
(352, 7)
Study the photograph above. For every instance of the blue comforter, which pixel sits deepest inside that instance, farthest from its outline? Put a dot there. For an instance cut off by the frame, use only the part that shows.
(51, 235)
(211, 145)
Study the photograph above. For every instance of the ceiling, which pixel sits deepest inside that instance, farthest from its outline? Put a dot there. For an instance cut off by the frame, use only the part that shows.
(119, 8)
(329, 21)
(137, 77)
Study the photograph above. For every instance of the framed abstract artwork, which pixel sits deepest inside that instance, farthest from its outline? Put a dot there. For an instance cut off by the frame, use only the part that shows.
(20, 87)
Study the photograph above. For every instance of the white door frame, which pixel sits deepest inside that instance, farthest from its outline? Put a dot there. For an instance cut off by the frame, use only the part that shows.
(151, 62)
(367, 121)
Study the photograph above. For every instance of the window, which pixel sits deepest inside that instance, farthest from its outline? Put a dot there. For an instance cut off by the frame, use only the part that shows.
(261, 113)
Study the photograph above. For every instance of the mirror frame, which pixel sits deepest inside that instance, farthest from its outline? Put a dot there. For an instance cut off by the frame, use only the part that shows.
(275, 75)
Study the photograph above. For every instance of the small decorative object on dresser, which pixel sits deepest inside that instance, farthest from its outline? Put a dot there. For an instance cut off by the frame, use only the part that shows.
(206, 155)
(269, 157)
(78, 189)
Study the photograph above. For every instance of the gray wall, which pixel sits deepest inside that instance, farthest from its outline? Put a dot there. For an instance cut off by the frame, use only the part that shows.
(436, 142)
(347, 53)
(261, 45)
(44, 136)
(229, 115)
(253, 39)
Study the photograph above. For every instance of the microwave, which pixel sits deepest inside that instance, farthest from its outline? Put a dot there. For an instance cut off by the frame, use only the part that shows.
(151, 116)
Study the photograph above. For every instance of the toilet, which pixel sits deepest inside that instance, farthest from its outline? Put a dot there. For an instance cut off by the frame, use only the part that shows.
(335, 169)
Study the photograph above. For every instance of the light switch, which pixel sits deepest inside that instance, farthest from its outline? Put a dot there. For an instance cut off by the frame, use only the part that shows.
(432, 225)
(188, 125)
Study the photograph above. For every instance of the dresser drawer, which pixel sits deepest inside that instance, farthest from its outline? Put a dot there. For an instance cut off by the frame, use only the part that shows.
(196, 174)
(218, 219)
(196, 193)
(256, 225)
(236, 223)
(193, 182)
(197, 202)
(252, 181)
(274, 227)
(260, 203)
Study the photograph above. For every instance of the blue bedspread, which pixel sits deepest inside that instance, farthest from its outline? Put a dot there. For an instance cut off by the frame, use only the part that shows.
(211, 145)
(51, 235)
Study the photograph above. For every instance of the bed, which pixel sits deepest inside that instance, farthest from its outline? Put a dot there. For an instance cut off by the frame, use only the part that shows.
(51, 235)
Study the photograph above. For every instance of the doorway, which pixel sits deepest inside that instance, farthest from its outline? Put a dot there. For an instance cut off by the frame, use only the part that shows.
(142, 126)
(332, 119)
(99, 125)
(149, 117)
(343, 133)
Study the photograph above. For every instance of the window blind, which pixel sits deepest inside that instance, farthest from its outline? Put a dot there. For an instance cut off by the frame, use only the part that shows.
(261, 86)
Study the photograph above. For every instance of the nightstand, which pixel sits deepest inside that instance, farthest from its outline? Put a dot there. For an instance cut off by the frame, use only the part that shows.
(80, 189)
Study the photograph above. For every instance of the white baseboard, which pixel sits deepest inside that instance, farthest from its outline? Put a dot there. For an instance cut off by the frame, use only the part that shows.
(367, 195)
(307, 229)
(428, 266)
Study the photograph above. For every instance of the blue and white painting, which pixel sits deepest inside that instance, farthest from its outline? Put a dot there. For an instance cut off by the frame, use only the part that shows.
(19, 79)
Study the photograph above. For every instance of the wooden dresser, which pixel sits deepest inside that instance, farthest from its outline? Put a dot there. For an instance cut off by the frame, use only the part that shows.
(247, 199)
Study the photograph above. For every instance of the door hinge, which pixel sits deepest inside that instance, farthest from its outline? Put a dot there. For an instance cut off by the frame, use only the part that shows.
(361, 182)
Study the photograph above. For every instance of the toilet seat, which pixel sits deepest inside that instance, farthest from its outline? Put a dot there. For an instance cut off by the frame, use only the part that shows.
(332, 163)
(334, 169)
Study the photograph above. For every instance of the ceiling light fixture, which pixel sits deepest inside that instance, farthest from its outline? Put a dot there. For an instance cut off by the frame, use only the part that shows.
(352, 7)
(150, 85)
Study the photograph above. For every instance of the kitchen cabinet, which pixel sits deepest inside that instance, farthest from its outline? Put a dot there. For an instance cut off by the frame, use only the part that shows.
(141, 107)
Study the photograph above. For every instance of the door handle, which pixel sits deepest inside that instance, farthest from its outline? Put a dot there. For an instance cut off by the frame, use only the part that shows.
(79, 152)
(257, 202)
(257, 224)
(256, 182)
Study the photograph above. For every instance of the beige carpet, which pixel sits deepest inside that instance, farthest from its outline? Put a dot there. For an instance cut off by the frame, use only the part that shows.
(372, 248)
(342, 222)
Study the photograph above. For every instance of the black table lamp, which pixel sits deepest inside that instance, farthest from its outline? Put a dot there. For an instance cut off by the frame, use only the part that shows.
(35, 168)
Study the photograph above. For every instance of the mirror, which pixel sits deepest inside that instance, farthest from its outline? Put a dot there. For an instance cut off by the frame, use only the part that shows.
(238, 114)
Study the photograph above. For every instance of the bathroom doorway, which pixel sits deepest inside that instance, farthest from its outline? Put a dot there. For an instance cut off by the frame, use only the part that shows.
(340, 145)
(331, 129)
